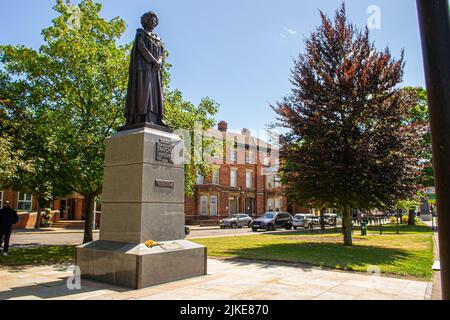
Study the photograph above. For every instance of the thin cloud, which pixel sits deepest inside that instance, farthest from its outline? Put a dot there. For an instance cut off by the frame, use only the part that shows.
(288, 32)
(291, 31)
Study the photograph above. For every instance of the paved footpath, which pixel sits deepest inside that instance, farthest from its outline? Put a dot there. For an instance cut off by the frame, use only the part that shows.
(230, 280)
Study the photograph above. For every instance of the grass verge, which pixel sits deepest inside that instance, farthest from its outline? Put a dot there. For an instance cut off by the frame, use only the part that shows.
(408, 254)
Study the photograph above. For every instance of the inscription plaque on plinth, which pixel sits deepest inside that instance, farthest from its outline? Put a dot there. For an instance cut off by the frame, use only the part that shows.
(164, 150)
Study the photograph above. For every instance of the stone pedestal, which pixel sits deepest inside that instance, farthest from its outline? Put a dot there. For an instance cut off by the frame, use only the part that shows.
(143, 199)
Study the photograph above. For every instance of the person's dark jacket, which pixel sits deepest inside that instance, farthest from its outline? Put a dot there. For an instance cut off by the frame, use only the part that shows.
(8, 217)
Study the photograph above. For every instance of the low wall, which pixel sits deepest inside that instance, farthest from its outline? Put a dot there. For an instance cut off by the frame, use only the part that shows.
(27, 220)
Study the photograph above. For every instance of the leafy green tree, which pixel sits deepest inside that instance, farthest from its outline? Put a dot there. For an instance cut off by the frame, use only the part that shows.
(350, 143)
(194, 121)
(31, 131)
(419, 115)
(9, 161)
(10, 157)
(78, 80)
(410, 207)
(80, 73)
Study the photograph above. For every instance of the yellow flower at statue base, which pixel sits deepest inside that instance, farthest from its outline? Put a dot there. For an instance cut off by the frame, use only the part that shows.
(151, 244)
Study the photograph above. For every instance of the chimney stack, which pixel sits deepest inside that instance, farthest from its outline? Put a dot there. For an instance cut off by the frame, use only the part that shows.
(223, 126)
(246, 132)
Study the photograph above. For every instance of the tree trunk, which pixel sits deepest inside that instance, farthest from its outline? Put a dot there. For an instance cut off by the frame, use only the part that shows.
(88, 208)
(39, 213)
(411, 217)
(347, 226)
(322, 220)
(398, 215)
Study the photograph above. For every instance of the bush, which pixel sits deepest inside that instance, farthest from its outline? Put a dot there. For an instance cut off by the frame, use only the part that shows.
(405, 219)
(393, 219)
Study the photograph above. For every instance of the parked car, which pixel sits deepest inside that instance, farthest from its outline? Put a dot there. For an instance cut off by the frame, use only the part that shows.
(313, 219)
(271, 221)
(305, 220)
(238, 220)
(332, 219)
(301, 220)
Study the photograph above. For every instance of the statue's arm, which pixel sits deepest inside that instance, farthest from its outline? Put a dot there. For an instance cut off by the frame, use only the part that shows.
(145, 52)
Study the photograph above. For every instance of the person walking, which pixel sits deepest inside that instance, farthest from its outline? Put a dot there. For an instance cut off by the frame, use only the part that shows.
(8, 218)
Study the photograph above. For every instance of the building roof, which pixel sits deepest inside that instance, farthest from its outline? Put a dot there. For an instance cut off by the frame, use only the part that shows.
(240, 138)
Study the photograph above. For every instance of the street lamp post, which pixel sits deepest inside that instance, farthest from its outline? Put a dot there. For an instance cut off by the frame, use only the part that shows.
(434, 23)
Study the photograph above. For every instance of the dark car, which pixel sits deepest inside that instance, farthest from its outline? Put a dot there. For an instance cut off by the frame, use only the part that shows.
(271, 221)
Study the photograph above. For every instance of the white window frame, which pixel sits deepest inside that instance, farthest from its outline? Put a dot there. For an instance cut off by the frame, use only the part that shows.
(249, 179)
(216, 156)
(270, 181)
(233, 154)
(200, 179)
(204, 201)
(213, 208)
(233, 173)
(278, 204)
(215, 178)
(277, 182)
(249, 156)
(271, 204)
(25, 201)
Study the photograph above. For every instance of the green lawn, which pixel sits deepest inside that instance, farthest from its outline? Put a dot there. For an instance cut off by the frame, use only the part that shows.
(36, 256)
(409, 253)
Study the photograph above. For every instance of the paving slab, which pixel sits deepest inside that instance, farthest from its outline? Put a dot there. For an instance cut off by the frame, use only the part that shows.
(229, 280)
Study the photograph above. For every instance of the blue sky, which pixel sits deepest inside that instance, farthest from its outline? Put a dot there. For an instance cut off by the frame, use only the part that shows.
(238, 52)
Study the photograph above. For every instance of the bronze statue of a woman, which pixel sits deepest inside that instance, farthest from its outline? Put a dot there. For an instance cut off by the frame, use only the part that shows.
(145, 98)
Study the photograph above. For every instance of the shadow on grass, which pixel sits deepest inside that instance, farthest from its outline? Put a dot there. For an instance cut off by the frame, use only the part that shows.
(21, 258)
(331, 255)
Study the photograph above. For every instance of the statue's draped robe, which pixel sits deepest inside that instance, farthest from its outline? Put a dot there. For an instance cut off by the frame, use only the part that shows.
(145, 98)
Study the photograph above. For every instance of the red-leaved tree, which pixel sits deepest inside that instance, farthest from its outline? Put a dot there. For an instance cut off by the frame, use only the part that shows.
(350, 144)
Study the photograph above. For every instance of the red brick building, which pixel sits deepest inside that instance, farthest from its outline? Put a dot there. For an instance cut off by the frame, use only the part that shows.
(244, 180)
(70, 207)
(19, 200)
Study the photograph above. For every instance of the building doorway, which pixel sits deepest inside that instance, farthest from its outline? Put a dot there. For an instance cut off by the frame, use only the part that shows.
(250, 206)
(67, 211)
(233, 205)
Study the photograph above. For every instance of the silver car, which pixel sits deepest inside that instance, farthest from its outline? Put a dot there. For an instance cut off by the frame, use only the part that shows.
(237, 220)
(302, 220)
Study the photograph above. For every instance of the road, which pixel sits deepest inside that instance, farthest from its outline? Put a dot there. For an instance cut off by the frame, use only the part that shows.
(27, 239)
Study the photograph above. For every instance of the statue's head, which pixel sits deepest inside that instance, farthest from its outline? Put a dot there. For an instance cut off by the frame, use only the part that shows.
(149, 21)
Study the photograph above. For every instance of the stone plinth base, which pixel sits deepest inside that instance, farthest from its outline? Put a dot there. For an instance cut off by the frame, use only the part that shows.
(137, 266)
(143, 199)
